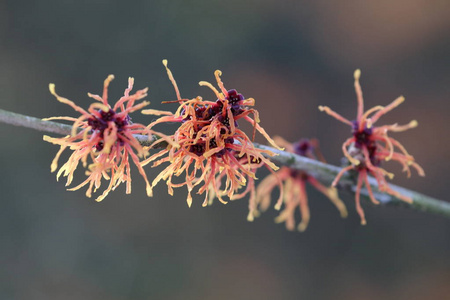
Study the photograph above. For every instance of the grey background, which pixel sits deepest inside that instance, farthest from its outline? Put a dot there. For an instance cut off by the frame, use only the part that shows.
(291, 56)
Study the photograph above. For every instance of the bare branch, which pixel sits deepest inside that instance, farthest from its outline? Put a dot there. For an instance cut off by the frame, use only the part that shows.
(323, 172)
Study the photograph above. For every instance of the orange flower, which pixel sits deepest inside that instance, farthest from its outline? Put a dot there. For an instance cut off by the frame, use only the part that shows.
(253, 164)
(105, 135)
(295, 187)
(211, 146)
(370, 145)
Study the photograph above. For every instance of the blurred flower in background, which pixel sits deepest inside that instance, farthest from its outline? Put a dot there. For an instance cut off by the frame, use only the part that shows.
(294, 194)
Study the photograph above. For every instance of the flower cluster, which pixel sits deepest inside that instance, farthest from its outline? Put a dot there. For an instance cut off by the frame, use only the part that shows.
(294, 183)
(370, 145)
(209, 153)
(211, 145)
(106, 136)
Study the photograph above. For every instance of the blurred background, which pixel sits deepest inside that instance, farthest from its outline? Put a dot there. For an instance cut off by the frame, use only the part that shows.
(291, 56)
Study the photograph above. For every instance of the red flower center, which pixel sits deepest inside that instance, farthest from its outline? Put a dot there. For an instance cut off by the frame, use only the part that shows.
(100, 124)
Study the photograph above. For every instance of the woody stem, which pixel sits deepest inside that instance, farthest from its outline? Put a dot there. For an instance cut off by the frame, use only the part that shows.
(325, 173)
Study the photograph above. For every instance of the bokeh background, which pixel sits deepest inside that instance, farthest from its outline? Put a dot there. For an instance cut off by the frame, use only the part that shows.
(291, 56)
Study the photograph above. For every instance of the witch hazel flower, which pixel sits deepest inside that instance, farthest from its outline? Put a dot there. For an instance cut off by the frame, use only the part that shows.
(294, 184)
(370, 145)
(211, 147)
(103, 141)
(252, 164)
